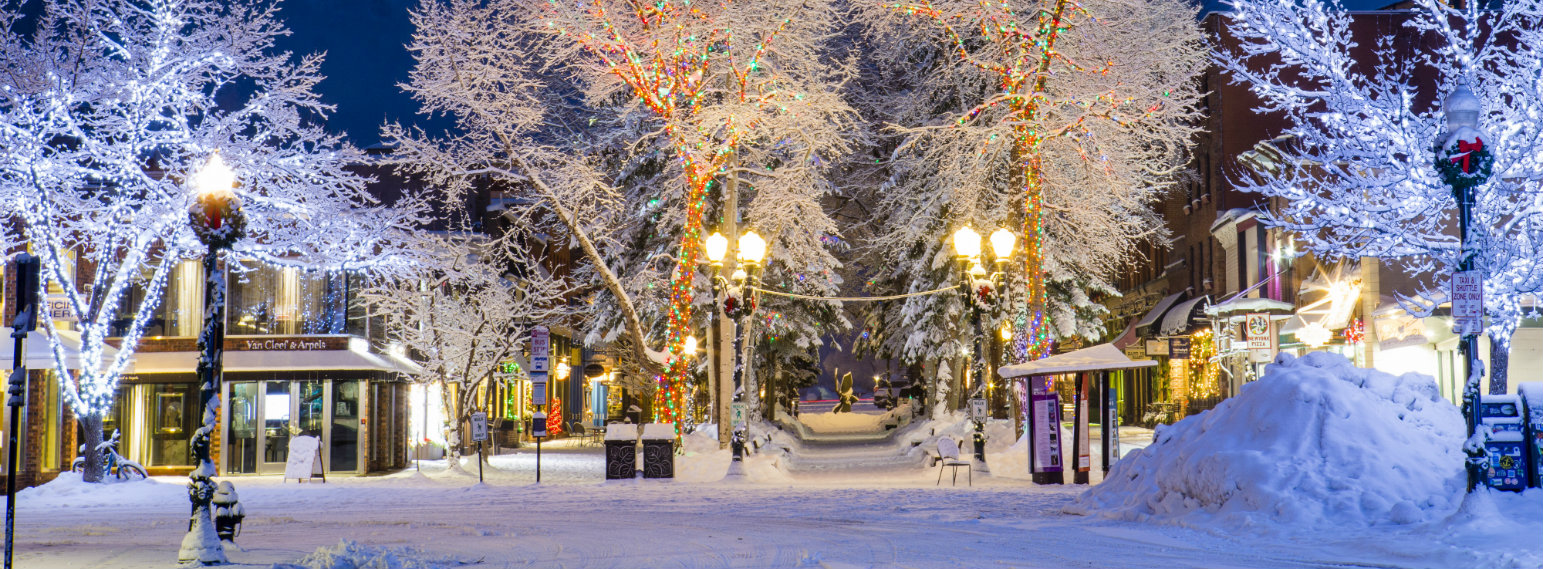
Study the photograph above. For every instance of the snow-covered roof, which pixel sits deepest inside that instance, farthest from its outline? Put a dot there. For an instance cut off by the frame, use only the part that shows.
(39, 355)
(1097, 358)
(1158, 310)
(1176, 321)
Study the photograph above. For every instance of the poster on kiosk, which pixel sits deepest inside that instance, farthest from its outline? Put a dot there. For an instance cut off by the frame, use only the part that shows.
(1045, 444)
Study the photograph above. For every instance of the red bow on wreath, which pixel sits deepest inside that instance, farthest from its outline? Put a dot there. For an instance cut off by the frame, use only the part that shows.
(1467, 148)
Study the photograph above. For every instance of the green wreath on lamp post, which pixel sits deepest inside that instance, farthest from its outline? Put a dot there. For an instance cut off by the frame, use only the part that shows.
(1464, 161)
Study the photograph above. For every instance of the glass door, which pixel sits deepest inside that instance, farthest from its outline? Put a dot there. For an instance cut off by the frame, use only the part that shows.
(343, 455)
(276, 411)
(241, 444)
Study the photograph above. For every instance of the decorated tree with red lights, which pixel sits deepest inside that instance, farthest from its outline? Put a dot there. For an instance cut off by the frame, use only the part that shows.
(1063, 119)
(727, 84)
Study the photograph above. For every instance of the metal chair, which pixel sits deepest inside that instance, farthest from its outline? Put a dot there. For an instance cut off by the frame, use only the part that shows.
(948, 455)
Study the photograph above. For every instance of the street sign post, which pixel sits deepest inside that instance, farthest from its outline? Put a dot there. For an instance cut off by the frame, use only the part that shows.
(479, 433)
(978, 409)
(479, 426)
(1467, 299)
(540, 349)
(737, 413)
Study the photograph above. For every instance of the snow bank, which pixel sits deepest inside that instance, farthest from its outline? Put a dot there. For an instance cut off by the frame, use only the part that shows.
(1315, 442)
(351, 555)
(69, 490)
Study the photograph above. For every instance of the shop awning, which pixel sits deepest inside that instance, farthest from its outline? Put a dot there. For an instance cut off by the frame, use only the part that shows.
(1177, 321)
(266, 360)
(1103, 357)
(39, 355)
(1157, 311)
(1238, 308)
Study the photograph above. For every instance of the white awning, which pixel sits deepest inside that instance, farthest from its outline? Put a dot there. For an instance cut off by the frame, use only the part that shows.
(1176, 321)
(39, 355)
(1103, 357)
(265, 360)
(1237, 309)
(1158, 310)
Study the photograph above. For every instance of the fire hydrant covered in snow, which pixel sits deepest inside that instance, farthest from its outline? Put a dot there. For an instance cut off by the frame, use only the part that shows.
(228, 512)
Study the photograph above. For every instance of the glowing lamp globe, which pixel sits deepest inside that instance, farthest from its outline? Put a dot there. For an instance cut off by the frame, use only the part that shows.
(966, 243)
(215, 179)
(752, 248)
(1002, 242)
(690, 345)
(717, 246)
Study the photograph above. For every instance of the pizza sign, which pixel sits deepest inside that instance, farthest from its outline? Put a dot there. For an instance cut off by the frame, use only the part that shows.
(1257, 327)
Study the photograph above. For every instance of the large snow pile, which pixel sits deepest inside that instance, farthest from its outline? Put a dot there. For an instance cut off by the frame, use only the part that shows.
(1314, 442)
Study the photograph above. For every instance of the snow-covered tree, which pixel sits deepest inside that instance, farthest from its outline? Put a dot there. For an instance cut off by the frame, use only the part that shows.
(550, 108)
(1064, 120)
(514, 130)
(109, 108)
(729, 89)
(1360, 174)
(466, 317)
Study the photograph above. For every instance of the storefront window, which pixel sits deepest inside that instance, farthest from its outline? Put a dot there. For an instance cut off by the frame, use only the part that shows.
(345, 426)
(53, 428)
(180, 312)
(173, 418)
(280, 300)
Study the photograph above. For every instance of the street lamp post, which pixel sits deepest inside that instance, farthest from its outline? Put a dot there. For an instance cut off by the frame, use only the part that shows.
(217, 220)
(1464, 163)
(967, 251)
(751, 253)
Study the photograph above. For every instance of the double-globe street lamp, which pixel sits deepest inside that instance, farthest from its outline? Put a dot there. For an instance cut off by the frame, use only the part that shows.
(751, 253)
(217, 220)
(978, 287)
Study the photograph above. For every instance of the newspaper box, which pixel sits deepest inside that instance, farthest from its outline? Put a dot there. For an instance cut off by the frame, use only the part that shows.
(1507, 466)
(1532, 409)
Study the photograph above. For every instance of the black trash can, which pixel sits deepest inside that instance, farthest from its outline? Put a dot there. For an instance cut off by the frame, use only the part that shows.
(659, 450)
(621, 451)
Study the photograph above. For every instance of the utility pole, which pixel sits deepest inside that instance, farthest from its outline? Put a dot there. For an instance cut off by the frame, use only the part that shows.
(28, 272)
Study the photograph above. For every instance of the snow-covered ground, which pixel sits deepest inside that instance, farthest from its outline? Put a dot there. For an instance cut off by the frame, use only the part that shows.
(803, 505)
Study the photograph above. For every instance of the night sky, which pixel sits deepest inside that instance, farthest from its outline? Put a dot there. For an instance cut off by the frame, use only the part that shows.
(365, 42)
(366, 46)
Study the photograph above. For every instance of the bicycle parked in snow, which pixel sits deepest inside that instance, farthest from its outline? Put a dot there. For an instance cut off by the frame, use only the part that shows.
(113, 464)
